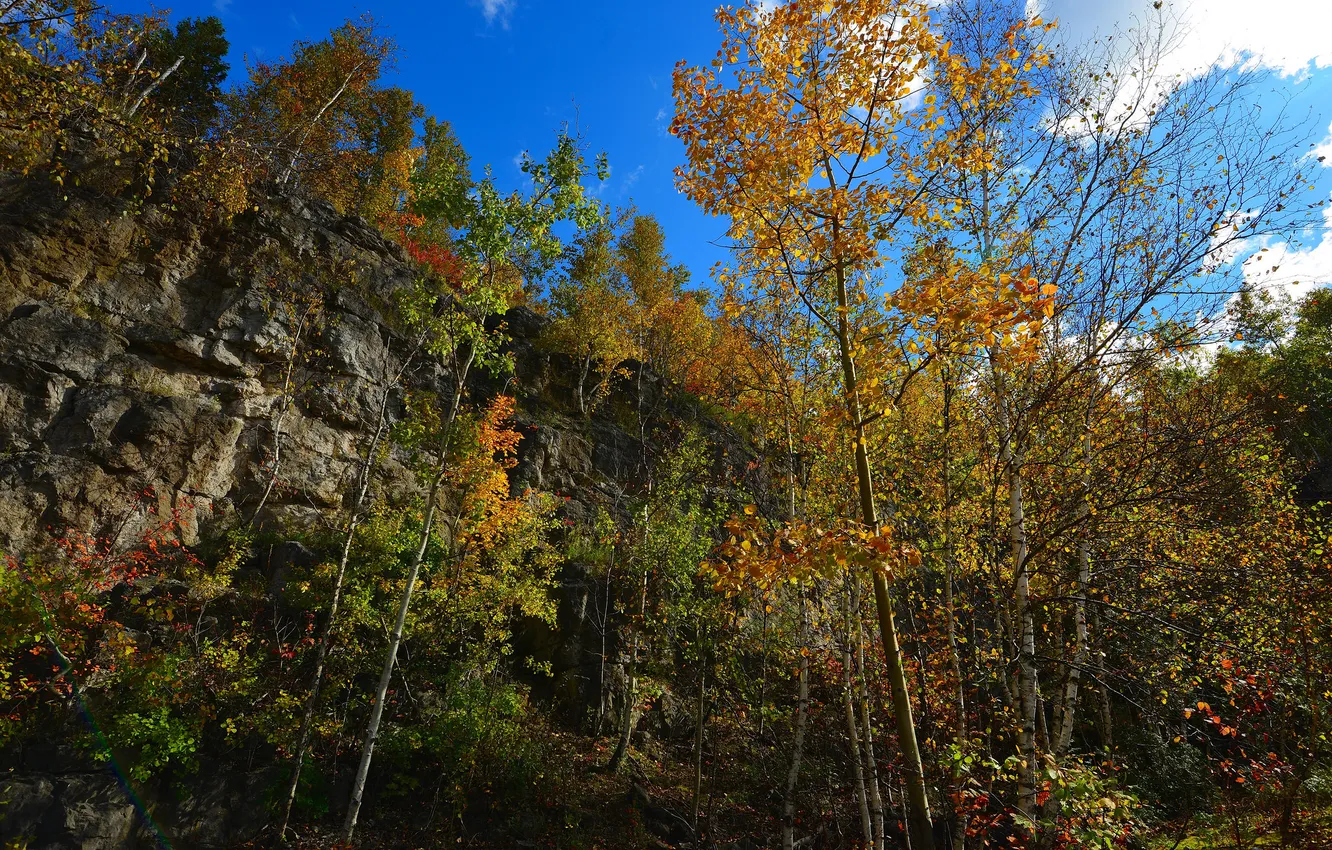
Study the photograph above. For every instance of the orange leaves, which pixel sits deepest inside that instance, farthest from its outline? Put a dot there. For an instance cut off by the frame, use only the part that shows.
(479, 475)
(754, 557)
(807, 89)
(815, 147)
(325, 116)
(989, 83)
(495, 435)
(956, 308)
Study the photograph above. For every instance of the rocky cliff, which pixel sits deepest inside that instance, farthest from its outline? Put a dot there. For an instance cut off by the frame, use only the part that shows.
(149, 365)
(138, 353)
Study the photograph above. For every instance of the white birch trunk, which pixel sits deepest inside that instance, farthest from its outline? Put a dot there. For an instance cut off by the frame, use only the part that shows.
(798, 745)
(395, 639)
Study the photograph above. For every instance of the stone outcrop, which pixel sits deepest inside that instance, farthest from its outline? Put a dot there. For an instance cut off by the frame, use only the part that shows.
(144, 356)
(145, 370)
(56, 798)
(140, 355)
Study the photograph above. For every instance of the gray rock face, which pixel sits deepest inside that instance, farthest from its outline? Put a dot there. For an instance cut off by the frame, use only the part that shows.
(95, 813)
(89, 809)
(144, 364)
(142, 356)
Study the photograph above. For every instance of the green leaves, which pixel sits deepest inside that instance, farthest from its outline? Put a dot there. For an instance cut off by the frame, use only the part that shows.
(503, 240)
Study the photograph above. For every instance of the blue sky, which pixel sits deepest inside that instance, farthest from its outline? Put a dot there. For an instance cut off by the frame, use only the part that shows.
(507, 73)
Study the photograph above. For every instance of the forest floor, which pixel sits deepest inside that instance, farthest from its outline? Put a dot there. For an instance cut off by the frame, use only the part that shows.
(648, 804)
(1218, 831)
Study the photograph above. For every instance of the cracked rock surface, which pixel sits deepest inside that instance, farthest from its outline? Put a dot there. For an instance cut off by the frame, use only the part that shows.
(145, 370)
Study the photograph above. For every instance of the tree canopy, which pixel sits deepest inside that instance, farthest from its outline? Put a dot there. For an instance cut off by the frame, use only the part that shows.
(977, 499)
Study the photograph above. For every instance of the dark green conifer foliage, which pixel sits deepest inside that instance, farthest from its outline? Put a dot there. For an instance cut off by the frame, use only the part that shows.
(192, 91)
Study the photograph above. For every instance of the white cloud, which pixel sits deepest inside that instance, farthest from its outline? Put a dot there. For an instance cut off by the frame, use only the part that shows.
(221, 6)
(497, 10)
(1289, 37)
(1294, 270)
(1173, 42)
(1323, 150)
(631, 178)
(1286, 36)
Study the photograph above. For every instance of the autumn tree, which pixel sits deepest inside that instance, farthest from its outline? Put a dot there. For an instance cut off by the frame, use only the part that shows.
(324, 117)
(803, 131)
(1133, 252)
(72, 73)
(668, 322)
(590, 308)
(498, 237)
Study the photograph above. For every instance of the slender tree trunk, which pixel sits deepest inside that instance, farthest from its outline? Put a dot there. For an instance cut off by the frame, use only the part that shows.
(920, 826)
(700, 717)
(326, 637)
(309, 128)
(129, 78)
(143, 95)
(1107, 726)
(790, 469)
(1070, 703)
(630, 716)
(631, 691)
(798, 745)
(1042, 729)
(390, 659)
(877, 810)
(582, 382)
(1027, 687)
(763, 664)
(959, 837)
(604, 628)
(1011, 459)
(631, 696)
(395, 639)
(853, 743)
(280, 415)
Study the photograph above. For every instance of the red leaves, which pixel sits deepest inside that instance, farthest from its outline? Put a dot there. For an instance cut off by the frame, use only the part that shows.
(441, 262)
(62, 605)
(435, 258)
